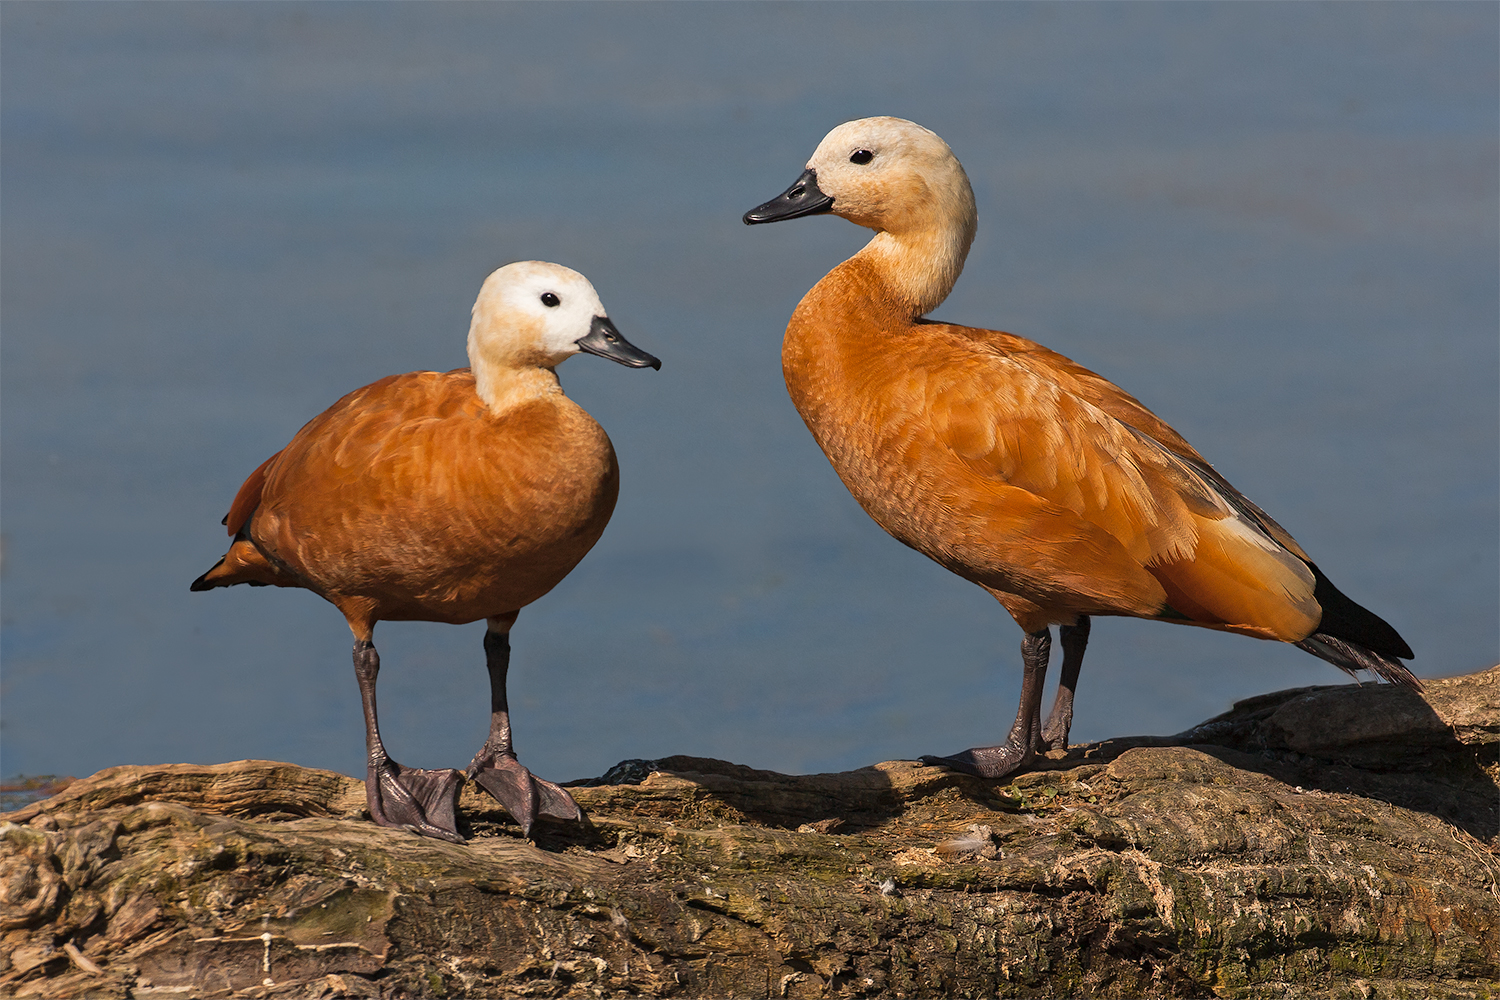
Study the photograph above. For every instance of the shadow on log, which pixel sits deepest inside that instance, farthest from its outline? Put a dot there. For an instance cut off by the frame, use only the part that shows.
(1331, 841)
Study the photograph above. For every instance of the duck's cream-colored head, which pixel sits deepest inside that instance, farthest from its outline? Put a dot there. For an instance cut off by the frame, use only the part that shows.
(901, 180)
(535, 315)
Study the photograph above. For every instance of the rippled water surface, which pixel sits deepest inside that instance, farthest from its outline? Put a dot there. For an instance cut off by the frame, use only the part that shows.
(1274, 224)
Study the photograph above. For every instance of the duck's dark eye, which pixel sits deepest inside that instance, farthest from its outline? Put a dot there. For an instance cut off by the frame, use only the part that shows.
(549, 300)
(861, 156)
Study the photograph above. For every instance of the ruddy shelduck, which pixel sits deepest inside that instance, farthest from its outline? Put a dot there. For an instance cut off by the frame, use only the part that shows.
(446, 497)
(1014, 467)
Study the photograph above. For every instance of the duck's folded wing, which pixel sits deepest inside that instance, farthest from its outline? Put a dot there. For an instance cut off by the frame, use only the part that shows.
(1215, 555)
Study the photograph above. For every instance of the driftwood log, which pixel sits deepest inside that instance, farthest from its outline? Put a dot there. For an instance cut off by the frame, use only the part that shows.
(1322, 842)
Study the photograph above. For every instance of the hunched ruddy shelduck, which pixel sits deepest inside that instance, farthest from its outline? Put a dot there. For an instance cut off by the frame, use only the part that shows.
(1014, 467)
(446, 497)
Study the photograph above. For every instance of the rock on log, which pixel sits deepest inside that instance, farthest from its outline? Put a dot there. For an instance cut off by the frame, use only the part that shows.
(1329, 841)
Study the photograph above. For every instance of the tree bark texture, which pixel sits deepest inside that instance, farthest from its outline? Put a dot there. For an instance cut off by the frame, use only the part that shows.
(1321, 842)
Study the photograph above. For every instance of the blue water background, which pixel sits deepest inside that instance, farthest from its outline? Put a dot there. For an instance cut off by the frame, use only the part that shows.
(1274, 224)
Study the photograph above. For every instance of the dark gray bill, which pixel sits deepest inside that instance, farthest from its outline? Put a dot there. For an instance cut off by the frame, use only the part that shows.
(802, 198)
(604, 340)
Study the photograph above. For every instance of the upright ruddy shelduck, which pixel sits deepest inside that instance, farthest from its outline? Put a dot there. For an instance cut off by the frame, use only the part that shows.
(1014, 467)
(446, 497)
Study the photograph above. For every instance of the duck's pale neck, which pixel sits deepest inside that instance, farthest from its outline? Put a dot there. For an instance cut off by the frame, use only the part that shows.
(921, 266)
(504, 387)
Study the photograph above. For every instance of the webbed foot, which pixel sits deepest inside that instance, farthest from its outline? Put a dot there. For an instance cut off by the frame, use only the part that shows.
(1055, 736)
(986, 762)
(408, 798)
(523, 794)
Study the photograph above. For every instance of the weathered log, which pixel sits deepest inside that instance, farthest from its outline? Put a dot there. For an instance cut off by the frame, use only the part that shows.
(1332, 841)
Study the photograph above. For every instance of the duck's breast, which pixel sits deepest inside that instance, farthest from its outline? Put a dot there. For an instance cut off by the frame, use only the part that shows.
(913, 423)
(410, 493)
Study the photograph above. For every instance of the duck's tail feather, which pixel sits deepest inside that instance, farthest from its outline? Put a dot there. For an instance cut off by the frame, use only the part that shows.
(243, 563)
(1354, 638)
(1350, 657)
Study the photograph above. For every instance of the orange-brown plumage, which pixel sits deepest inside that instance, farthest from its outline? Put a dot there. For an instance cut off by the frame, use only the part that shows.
(1023, 471)
(445, 497)
(409, 499)
(1013, 466)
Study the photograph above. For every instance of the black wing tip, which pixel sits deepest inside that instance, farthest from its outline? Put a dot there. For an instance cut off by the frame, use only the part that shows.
(203, 583)
(1351, 623)
(1354, 638)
